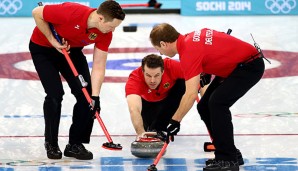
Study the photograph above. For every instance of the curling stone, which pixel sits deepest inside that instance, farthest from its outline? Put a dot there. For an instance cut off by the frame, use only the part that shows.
(129, 28)
(147, 147)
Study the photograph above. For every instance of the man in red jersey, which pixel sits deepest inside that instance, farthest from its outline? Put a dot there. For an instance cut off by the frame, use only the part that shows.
(237, 65)
(153, 93)
(78, 26)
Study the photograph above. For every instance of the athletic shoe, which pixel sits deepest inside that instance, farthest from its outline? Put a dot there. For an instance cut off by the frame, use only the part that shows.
(239, 159)
(53, 151)
(77, 151)
(221, 165)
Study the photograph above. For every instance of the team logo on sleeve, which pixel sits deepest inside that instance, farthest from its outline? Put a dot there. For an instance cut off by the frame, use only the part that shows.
(166, 85)
(92, 36)
(77, 27)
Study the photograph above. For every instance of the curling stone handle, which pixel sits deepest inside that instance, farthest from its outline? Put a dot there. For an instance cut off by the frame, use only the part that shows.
(148, 134)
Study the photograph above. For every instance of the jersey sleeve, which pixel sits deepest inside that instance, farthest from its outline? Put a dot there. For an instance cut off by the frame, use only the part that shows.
(56, 14)
(191, 63)
(104, 42)
(133, 84)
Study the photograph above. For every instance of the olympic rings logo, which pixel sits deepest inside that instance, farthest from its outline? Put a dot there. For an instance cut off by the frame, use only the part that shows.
(10, 6)
(277, 6)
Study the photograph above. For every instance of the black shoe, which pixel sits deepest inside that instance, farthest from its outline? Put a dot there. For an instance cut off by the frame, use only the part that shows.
(221, 165)
(239, 159)
(53, 151)
(77, 151)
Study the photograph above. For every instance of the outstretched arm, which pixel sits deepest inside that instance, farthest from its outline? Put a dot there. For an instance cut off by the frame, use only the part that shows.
(98, 70)
(188, 98)
(135, 107)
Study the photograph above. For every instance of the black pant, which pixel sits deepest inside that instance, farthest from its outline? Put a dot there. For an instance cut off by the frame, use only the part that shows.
(214, 107)
(49, 64)
(157, 115)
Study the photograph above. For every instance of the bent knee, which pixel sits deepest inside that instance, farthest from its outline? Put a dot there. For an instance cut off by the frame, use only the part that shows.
(55, 101)
(203, 111)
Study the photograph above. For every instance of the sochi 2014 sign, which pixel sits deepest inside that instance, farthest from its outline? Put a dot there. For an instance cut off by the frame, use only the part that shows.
(239, 7)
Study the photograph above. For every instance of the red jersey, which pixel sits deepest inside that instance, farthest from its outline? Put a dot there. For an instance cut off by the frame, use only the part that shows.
(211, 52)
(136, 82)
(70, 22)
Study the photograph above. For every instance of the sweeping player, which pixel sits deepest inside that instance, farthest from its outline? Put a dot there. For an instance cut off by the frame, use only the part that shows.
(237, 65)
(78, 26)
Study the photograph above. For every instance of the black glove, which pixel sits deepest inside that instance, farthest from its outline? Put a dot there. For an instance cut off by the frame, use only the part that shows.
(204, 79)
(172, 129)
(161, 135)
(96, 105)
